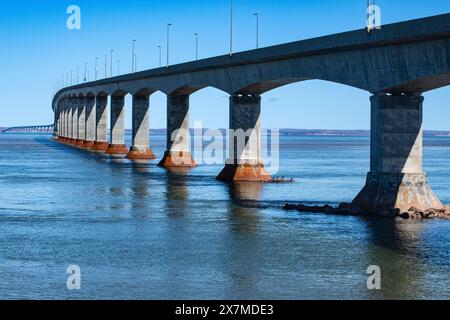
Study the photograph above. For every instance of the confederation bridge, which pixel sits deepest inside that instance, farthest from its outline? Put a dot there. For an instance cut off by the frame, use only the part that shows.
(396, 64)
(47, 129)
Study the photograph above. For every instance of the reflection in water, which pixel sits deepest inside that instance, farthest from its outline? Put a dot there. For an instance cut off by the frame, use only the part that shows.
(176, 192)
(139, 189)
(244, 215)
(398, 252)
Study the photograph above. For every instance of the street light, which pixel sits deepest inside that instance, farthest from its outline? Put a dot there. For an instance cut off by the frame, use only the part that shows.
(231, 28)
(196, 46)
(96, 68)
(111, 62)
(85, 71)
(78, 78)
(118, 67)
(168, 39)
(71, 77)
(106, 66)
(160, 57)
(257, 29)
(132, 57)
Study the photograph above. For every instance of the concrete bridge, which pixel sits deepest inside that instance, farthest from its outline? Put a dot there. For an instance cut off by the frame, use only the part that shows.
(396, 64)
(46, 129)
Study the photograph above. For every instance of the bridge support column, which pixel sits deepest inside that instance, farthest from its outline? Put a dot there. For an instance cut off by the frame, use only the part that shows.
(74, 120)
(178, 153)
(89, 138)
(81, 106)
(117, 147)
(101, 140)
(396, 179)
(244, 162)
(140, 148)
(69, 122)
(65, 122)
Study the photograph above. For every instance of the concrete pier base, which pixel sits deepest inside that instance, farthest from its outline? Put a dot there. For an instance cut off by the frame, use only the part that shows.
(140, 153)
(117, 147)
(244, 172)
(396, 180)
(100, 146)
(87, 145)
(384, 191)
(117, 150)
(178, 154)
(180, 159)
(140, 149)
(78, 143)
(244, 163)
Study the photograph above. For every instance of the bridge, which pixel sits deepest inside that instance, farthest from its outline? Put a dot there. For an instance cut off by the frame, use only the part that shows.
(396, 64)
(45, 129)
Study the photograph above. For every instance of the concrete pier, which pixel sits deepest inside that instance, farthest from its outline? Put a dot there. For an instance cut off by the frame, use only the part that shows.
(69, 121)
(396, 178)
(244, 163)
(101, 140)
(89, 138)
(140, 148)
(178, 153)
(81, 106)
(117, 147)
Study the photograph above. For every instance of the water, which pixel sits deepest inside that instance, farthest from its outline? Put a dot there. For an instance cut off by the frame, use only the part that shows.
(141, 232)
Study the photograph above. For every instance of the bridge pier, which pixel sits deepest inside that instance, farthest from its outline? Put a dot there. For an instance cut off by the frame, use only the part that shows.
(140, 148)
(396, 178)
(244, 162)
(89, 138)
(69, 121)
(101, 140)
(81, 107)
(117, 147)
(178, 153)
(65, 122)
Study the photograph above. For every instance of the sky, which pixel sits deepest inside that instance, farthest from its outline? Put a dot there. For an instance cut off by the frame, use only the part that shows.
(38, 48)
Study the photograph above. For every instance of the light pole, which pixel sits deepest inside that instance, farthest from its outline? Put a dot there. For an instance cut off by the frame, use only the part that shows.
(118, 67)
(96, 68)
(168, 39)
(160, 56)
(85, 71)
(132, 57)
(71, 77)
(257, 29)
(231, 28)
(106, 66)
(111, 63)
(196, 46)
(78, 78)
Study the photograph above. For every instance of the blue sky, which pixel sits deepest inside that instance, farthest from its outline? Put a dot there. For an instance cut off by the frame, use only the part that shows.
(37, 49)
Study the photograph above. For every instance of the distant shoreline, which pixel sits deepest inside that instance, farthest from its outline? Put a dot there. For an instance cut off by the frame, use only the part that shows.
(313, 132)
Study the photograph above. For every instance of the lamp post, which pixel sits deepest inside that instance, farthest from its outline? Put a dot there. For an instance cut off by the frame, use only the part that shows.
(85, 71)
(96, 68)
(196, 46)
(111, 63)
(257, 29)
(78, 78)
(118, 67)
(132, 56)
(106, 66)
(160, 56)
(231, 27)
(168, 39)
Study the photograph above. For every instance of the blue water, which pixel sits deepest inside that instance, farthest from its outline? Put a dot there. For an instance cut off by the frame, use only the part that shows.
(138, 231)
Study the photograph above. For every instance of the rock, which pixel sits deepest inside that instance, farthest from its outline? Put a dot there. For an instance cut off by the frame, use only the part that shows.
(404, 215)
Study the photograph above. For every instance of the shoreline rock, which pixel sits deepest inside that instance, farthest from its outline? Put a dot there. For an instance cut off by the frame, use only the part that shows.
(348, 210)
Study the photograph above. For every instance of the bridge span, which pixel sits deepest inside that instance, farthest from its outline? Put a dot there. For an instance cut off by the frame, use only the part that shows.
(45, 129)
(396, 64)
